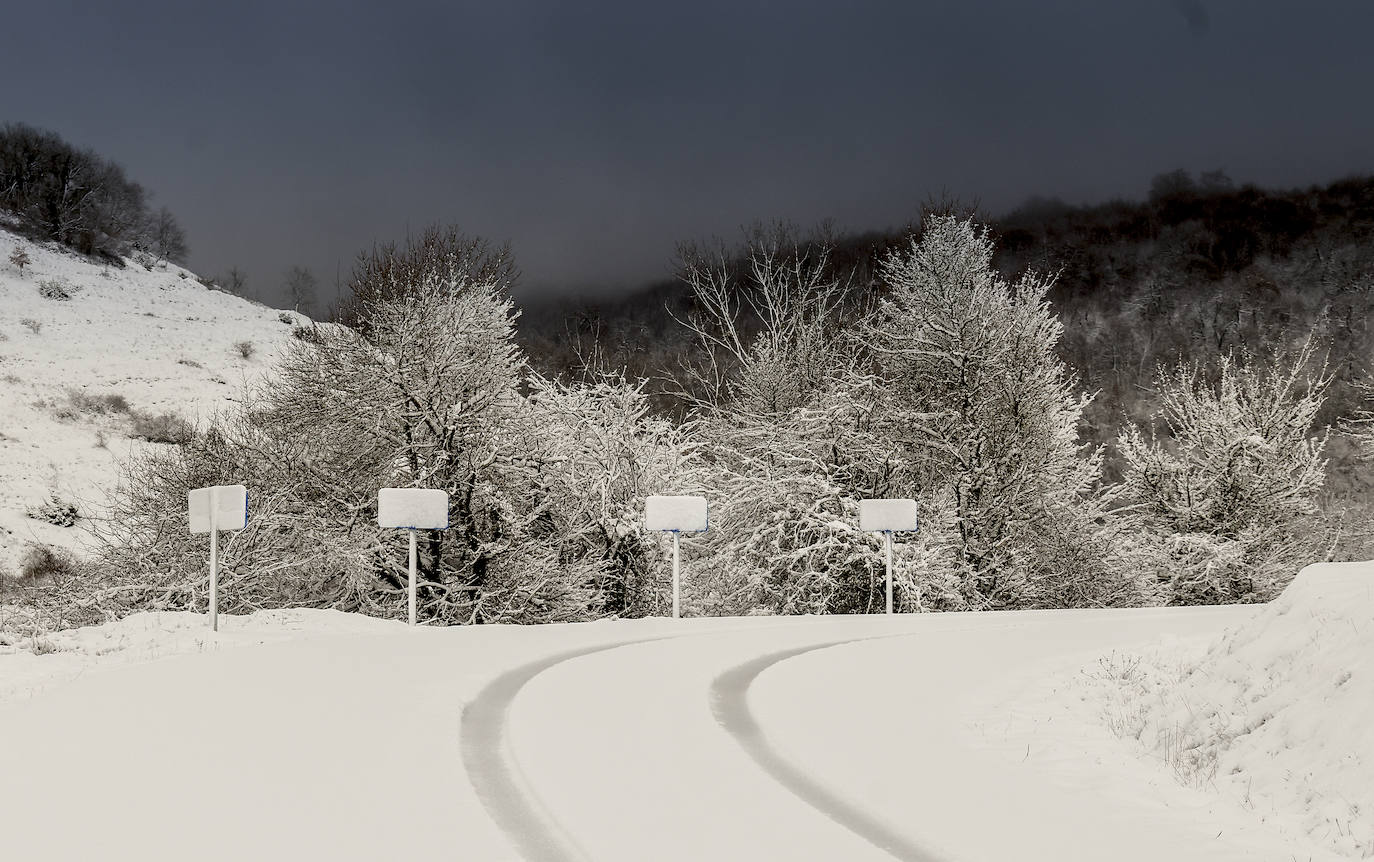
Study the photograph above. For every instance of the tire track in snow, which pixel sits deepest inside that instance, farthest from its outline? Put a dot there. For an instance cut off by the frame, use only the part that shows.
(495, 774)
(730, 705)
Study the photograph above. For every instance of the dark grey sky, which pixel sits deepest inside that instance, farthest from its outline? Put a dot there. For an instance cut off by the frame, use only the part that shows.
(594, 135)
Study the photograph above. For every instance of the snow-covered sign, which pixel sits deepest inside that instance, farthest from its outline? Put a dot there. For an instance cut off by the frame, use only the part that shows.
(209, 510)
(412, 508)
(675, 514)
(230, 505)
(887, 516)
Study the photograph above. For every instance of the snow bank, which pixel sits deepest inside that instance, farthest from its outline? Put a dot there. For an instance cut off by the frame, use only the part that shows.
(1277, 714)
(32, 664)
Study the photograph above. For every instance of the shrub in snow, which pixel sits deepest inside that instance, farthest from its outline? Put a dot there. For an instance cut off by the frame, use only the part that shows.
(1227, 497)
(286, 317)
(161, 427)
(308, 334)
(19, 258)
(56, 511)
(84, 402)
(34, 326)
(53, 289)
(45, 563)
(245, 349)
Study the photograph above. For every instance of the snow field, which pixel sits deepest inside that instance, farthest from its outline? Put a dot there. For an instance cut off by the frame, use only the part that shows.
(327, 735)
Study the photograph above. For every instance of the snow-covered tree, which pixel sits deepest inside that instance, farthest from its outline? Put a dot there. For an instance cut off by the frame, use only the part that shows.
(1227, 491)
(784, 422)
(301, 288)
(988, 414)
(769, 317)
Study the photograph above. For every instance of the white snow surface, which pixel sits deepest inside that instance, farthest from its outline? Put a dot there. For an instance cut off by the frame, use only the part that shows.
(1277, 716)
(328, 735)
(157, 337)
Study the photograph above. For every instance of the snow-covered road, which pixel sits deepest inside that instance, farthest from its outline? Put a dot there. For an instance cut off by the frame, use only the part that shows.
(803, 738)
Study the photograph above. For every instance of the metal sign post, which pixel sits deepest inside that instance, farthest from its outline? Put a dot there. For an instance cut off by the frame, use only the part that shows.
(219, 507)
(676, 515)
(412, 509)
(887, 540)
(413, 566)
(214, 560)
(888, 517)
(677, 574)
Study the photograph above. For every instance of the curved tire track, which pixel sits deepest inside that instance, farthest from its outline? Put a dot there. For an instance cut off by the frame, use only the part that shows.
(730, 705)
(496, 775)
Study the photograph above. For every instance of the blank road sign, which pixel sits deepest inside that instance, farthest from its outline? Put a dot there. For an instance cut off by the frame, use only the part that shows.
(675, 514)
(231, 509)
(412, 508)
(882, 516)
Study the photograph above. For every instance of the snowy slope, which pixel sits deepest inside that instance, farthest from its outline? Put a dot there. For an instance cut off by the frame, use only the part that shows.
(760, 738)
(1277, 716)
(159, 338)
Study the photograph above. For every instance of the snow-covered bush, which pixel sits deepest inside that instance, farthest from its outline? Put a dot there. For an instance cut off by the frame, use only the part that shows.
(54, 289)
(604, 452)
(1226, 495)
(56, 511)
(110, 402)
(41, 563)
(161, 427)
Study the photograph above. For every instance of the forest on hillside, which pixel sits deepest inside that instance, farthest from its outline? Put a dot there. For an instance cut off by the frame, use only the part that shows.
(1199, 270)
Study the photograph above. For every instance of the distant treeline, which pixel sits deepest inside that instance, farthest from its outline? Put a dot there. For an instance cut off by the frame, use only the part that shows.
(1200, 268)
(75, 197)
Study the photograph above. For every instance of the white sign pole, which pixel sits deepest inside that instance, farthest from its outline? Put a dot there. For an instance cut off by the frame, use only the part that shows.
(412, 509)
(676, 574)
(214, 559)
(888, 517)
(887, 540)
(412, 577)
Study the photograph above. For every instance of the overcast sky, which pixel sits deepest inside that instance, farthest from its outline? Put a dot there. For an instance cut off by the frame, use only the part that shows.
(593, 136)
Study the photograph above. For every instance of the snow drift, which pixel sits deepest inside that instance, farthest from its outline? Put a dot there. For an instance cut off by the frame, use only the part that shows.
(1276, 714)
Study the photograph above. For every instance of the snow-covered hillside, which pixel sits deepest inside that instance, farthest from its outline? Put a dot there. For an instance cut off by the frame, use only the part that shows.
(156, 338)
